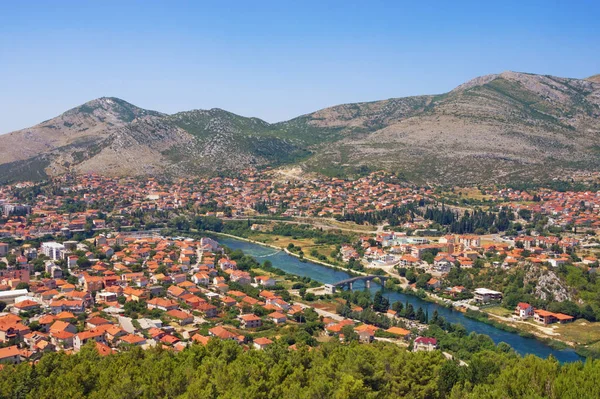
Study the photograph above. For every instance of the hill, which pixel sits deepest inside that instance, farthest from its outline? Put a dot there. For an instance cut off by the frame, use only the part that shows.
(508, 126)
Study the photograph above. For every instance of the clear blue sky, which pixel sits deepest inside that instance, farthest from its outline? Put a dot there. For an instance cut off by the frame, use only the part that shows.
(275, 60)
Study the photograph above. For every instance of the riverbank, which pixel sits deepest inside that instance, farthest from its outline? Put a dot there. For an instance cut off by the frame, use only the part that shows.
(558, 336)
(330, 275)
(301, 258)
(485, 317)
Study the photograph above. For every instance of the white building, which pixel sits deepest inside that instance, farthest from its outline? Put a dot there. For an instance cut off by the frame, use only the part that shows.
(10, 296)
(53, 250)
(486, 295)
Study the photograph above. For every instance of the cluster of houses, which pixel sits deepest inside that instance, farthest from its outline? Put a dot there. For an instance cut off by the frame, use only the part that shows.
(217, 196)
(366, 332)
(396, 248)
(524, 311)
(150, 291)
(563, 209)
(181, 285)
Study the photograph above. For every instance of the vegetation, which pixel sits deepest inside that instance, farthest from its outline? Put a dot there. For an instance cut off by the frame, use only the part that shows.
(476, 221)
(224, 369)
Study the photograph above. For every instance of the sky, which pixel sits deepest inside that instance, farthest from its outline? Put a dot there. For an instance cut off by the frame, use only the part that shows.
(275, 59)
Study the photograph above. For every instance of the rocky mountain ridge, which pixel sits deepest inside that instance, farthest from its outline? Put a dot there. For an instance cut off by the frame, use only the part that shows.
(492, 128)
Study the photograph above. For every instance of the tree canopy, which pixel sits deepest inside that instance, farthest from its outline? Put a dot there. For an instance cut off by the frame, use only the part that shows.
(224, 369)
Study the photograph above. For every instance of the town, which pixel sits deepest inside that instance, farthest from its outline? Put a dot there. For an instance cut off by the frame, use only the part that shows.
(88, 259)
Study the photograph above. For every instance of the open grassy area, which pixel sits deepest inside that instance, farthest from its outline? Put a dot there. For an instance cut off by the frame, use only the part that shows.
(282, 241)
(471, 193)
(580, 331)
(307, 244)
(498, 310)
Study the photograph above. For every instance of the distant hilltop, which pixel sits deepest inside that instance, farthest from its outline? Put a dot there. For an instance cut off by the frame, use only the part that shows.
(495, 128)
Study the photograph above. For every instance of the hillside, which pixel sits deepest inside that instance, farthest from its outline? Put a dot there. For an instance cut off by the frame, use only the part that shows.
(508, 126)
(495, 127)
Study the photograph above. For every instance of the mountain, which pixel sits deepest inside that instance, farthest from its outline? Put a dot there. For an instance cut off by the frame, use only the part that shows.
(508, 126)
(497, 127)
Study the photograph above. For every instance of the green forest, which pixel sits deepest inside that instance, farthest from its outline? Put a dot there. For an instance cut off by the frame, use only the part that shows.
(224, 369)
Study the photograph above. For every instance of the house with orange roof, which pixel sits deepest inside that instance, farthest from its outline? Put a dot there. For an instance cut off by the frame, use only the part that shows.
(201, 278)
(192, 300)
(11, 327)
(169, 340)
(76, 306)
(62, 339)
(201, 339)
(45, 322)
(11, 355)
(278, 317)
(239, 276)
(181, 317)
(132, 339)
(207, 309)
(176, 292)
(250, 320)
(227, 264)
(401, 332)
(112, 332)
(65, 316)
(336, 328)
(104, 350)
(47, 296)
(224, 334)
(409, 261)
(267, 294)
(261, 343)
(25, 306)
(84, 337)
(434, 283)
(265, 281)
(162, 304)
(96, 321)
(545, 317)
(187, 285)
(366, 333)
(59, 326)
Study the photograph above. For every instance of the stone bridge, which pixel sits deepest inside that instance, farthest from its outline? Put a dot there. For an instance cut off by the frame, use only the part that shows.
(367, 279)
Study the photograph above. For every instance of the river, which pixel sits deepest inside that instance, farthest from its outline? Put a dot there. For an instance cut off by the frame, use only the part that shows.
(292, 265)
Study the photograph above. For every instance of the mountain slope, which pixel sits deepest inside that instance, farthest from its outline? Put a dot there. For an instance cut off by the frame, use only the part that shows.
(495, 127)
(103, 135)
(508, 126)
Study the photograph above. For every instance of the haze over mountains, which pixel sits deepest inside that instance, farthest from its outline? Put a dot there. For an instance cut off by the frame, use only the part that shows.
(508, 126)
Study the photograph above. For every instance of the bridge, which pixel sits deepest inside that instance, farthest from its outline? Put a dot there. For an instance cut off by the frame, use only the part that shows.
(350, 281)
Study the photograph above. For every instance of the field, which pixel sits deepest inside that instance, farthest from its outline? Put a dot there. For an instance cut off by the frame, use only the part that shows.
(498, 311)
(307, 244)
(471, 193)
(580, 332)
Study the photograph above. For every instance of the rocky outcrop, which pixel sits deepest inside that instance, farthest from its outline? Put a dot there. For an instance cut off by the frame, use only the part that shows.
(548, 285)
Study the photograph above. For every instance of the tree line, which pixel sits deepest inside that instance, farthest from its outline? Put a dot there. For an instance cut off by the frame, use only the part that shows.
(477, 221)
(334, 370)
